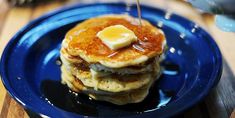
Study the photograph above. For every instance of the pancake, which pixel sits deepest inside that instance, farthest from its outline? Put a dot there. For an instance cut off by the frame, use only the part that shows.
(126, 98)
(121, 98)
(111, 83)
(82, 41)
(141, 68)
(76, 85)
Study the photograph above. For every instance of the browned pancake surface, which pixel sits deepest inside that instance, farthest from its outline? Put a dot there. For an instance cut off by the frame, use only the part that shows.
(82, 40)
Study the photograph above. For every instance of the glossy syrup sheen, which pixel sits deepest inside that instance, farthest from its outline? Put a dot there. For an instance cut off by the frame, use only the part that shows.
(81, 104)
(83, 37)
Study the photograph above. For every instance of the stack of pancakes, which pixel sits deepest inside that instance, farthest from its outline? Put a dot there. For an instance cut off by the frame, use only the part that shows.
(118, 76)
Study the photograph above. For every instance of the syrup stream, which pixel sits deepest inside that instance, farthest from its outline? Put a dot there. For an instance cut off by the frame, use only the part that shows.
(139, 12)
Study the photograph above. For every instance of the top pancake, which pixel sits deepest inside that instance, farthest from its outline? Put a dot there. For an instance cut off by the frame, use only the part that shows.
(82, 41)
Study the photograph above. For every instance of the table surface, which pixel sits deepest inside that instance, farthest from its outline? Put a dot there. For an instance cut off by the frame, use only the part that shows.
(220, 102)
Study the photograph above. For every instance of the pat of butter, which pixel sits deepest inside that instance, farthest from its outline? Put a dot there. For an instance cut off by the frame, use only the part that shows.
(117, 36)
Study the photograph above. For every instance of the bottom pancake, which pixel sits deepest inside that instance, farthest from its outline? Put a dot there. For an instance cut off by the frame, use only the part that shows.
(121, 98)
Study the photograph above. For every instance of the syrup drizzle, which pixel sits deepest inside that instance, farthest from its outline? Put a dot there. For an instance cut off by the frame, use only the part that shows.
(139, 12)
(113, 54)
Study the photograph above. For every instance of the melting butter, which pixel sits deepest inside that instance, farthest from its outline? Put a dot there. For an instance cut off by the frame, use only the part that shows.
(117, 36)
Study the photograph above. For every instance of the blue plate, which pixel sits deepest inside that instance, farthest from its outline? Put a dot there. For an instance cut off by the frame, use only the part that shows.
(30, 66)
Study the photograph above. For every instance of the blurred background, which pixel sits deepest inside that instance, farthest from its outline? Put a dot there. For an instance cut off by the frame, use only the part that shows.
(14, 14)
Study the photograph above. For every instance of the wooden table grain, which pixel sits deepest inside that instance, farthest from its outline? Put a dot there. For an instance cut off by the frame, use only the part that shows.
(220, 102)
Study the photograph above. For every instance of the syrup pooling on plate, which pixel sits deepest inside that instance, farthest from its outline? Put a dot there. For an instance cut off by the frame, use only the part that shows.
(82, 104)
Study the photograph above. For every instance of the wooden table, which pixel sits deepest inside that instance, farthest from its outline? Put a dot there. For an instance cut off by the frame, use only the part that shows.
(218, 104)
